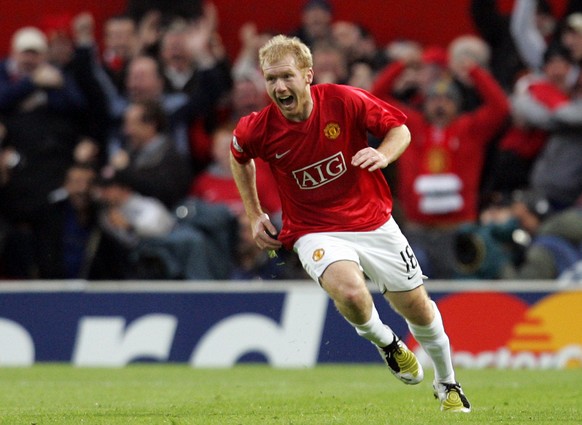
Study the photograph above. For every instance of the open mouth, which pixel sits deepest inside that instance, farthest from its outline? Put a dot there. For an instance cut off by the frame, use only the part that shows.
(286, 100)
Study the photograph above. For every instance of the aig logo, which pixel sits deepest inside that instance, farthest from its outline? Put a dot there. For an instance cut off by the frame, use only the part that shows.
(320, 173)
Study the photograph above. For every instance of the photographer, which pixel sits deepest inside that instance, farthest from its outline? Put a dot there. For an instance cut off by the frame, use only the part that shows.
(521, 239)
(555, 238)
(486, 250)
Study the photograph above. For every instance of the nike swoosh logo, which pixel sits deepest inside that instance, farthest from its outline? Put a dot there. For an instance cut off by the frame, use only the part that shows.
(281, 155)
(410, 277)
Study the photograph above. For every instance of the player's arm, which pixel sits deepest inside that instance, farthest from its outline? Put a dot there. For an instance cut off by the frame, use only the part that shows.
(392, 146)
(245, 177)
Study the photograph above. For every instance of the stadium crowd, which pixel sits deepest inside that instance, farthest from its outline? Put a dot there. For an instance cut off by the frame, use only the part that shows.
(114, 153)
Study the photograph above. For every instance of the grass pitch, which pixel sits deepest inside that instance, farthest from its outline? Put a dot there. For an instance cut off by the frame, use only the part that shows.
(260, 395)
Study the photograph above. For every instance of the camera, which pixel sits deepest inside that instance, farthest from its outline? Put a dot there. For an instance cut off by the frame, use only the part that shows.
(482, 251)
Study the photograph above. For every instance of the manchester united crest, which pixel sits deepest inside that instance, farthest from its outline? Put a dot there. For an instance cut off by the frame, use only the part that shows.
(318, 254)
(332, 130)
(438, 160)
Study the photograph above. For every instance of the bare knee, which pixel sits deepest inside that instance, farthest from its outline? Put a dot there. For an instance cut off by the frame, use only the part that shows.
(353, 295)
(345, 284)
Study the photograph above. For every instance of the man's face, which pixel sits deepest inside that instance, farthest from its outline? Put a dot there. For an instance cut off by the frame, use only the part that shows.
(440, 110)
(289, 87)
(79, 184)
(135, 129)
(346, 35)
(143, 80)
(557, 70)
(316, 21)
(27, 61)
(174, 52)
(329, 66)
(120, 37)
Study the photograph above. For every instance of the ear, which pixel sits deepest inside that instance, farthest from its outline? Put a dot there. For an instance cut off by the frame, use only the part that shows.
(309, 75)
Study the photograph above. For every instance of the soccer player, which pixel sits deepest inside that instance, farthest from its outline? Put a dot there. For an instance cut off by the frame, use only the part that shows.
(337, 205)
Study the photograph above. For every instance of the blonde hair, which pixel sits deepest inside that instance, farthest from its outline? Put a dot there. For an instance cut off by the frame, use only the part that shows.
(280, 46)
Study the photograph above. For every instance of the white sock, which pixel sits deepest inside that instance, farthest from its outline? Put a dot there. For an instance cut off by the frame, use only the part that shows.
(435, 342)
(374, 330)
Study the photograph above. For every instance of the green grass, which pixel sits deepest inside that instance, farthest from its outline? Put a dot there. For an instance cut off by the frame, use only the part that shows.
(259, 395)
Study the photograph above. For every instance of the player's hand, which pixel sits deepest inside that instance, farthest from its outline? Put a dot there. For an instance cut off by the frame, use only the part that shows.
(265, 233)
(370, 159)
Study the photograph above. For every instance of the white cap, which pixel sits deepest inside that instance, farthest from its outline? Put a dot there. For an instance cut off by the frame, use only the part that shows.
(29, 38)
(574, 22)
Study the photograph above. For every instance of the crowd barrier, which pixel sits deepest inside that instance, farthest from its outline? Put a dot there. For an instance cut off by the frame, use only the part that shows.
(292, 324)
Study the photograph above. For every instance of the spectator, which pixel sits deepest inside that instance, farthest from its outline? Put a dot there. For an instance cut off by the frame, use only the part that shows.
(329, 64)
(120, 44)
(129, 222)
(357, 44)
(572, 36)
(217, 185)
(57, 28)
(473, 48)
(433, 66)
(129, 216)
(151, 164)
(553, 240)
(62, 242)
(186, 47)
(168, 11)
(420, 69)
(486, 249)
(361, 74)
(246, 97)
(437, 190)
(246, 63)
(532, 29)
(185, 50)
(521, 144)
(81, 66)
(557, 169)
(42, 109)
(316, 19)
(145, 82)
(177, 60)
(70, 238)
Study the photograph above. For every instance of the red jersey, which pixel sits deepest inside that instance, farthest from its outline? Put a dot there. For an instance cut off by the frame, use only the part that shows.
(440, 172)
(320, 190)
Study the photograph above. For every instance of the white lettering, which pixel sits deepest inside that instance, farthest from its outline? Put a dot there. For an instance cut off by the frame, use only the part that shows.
(322, 178)
(320, 173)
(16, 345)
(569, 356)
(104, 341)
(293, 343)
(439, 193)
(308, 181)
(339, 167)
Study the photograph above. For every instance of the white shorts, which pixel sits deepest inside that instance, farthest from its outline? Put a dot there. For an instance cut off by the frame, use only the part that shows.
(384, 255)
